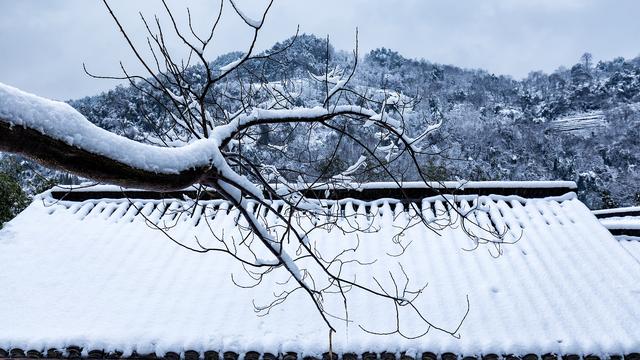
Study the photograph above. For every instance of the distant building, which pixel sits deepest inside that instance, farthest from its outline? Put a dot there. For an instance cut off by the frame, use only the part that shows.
(624, 224)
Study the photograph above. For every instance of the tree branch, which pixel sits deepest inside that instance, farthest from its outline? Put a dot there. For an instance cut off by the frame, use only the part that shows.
(58, 154)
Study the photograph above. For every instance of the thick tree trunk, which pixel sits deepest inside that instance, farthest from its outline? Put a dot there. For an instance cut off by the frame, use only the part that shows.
(58, 154)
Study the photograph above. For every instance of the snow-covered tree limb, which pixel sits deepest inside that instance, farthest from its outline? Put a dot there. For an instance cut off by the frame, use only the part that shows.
(56, 134)
(213, 126)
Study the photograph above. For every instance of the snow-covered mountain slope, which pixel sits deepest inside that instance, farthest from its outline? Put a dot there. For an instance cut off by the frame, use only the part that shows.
(585, 124)
(579, 123)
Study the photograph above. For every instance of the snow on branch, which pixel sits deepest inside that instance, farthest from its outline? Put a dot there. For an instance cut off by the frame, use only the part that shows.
(60, 121)
(256, 24)
(220, 122)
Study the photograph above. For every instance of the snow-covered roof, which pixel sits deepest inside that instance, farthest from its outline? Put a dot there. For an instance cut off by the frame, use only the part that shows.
(361, 191)
(631, 244)
(624, 224)
(92, 273)
(620, 211)
(620, 221)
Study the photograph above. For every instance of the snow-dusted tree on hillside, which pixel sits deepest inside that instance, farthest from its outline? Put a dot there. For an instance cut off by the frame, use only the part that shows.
(214, 132)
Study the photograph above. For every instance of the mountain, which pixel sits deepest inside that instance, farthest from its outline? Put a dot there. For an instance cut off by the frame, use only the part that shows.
(578, 123)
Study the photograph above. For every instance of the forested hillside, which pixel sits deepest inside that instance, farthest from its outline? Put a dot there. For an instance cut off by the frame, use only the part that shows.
(579, 123)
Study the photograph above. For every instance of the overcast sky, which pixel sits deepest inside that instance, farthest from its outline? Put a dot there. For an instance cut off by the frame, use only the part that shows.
(43, 43)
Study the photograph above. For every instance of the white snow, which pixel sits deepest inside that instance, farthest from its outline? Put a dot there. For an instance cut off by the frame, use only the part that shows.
(444, 185)
(621, 222)
(581, 124)
(622, 218)
(617, 210)
(469, 185)
(62, 122)
(94, 274)
(631, 244)
(251, 22)
(230, 66)
(346, 175)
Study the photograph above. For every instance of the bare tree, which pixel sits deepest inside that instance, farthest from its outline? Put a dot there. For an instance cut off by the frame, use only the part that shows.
(208, 133)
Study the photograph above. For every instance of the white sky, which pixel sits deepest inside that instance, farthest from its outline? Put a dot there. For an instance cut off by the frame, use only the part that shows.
(43, 43)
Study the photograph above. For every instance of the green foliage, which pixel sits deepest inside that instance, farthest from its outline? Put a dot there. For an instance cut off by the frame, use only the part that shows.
(330, 167)
(607, 201)
(435, 172)
(19, 180)
(374, 171)
(12, 198)
(33, 178)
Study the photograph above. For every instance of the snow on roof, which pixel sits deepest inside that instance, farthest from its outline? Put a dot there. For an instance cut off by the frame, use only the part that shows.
(91, 187)
(93, 274)
(616, 211)
(624, 223)
(620, 221)
(631, 244)
(341, 190)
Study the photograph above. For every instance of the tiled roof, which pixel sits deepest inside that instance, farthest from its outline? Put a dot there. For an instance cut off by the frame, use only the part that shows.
(620, 221)
(367, 191)
(631, 244)
(74, 352)
(92, 274)
(624, 224)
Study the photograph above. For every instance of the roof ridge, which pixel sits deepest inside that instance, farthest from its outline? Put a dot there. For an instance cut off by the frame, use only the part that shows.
(412, 191)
